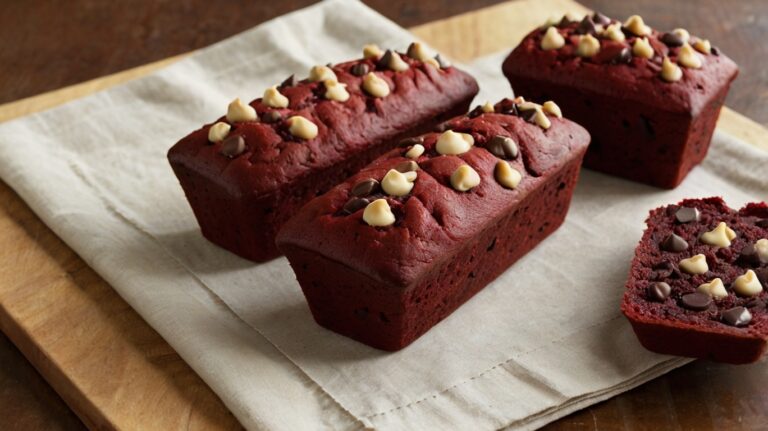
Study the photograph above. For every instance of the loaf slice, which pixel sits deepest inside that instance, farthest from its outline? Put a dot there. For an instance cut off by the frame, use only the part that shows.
(649, 99)
(697, 283)
(390, 252)
(247, 173)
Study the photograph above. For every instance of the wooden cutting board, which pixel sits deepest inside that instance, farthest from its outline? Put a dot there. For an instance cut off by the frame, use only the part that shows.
(111, 368)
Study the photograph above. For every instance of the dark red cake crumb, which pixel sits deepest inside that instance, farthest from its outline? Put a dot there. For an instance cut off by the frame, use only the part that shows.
(644, 128)
(387, 283)
(671, 313)
(245, 187)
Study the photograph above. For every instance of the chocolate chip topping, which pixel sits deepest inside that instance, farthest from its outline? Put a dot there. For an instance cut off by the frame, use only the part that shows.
(697, 301)
(601, 19)
(503, 147)
(355, 204)
(476, 112)
(715, 51)
(442, 62)
(233, 146)
(672, 40)
(409, 142)
(508, 106)
(674, 243)
(528, 115)
(407, 166)
(385, 59)
(360, 69)
(365, 188)
(622, 57)
(762, 223)
(737, 316)
(755, 303)
(290, 81)
(586, 26)
(750, 256)
(565, 21)
(271, 117)
(687, 215)
(659, 291)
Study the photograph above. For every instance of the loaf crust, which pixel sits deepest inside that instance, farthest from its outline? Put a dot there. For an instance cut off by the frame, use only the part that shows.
(643, 128)
(241, 202)
(385, 286)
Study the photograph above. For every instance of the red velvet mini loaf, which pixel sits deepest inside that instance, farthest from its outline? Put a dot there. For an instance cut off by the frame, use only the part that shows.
(650, 100)
(393, 250)
(697, 283)
(248, 172)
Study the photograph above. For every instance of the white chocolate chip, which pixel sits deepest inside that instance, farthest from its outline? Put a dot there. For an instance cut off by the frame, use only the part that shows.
(375, 86)
(302, 128)
(419, 52)
(527, 106)
(613, 32)
(506, 175)
(551, 108)
(464, 178)
(683, 34)
(239, 111)
(372, 51)
(396, 62)
(541, 119)
(518, 100)
(395, 183)
(335, 91)
(703, 46)
(642, 48)
(695, 264)
(378, 213)
(218, 131)
(636, 26)
(761, 248)
(714, 288)
(588, 46)
(273, 98)
(720, 236)
(453, 143)
(552, 39)
(670, 72)
(488, 108)
(321, 73)
(687, 57)
(433, 62)
(411, 175)
(415, 151)
(747, 284)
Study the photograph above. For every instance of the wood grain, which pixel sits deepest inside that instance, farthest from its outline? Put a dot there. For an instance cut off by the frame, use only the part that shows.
(73, 326)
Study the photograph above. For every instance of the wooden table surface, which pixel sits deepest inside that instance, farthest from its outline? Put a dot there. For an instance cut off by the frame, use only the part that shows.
(47, 46)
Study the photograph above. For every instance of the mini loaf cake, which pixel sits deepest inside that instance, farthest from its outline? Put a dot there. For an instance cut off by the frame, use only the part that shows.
(649, 99)
(393, 250)
(698, 282)
(248, 172)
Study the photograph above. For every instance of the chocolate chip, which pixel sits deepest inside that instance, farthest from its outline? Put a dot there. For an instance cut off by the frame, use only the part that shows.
(750, 256)
(508, 106)
(528, 115)
(271, 117)
(355, 204)
(687, 215)
(360, 69)
(407, 166)
(503, 147)
(601, 19)
(329, 65)
(233, 146)
(365, 188)
(565, 21)
(762, 223)
(672, 40)
(755, 303)
(442, 62)
(385, 59)
(624, 56)
(715, 51)
(697, 301)
(476, 112)
(663, 271)
(290, 81)
(659, 291)
(409, 142)
(737, 316)
(674, 243)
(586, 26)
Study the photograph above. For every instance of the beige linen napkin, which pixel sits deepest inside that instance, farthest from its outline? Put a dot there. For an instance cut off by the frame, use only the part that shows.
(543, 340)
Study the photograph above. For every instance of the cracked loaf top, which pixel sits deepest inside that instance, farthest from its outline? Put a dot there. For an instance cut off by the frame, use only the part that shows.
(671, 70)
(300, 127)
(420, 203)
